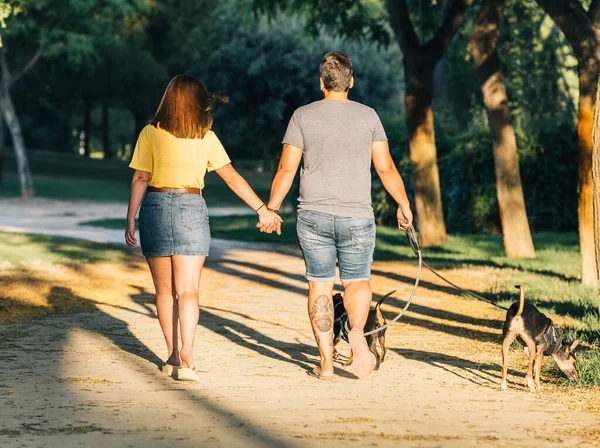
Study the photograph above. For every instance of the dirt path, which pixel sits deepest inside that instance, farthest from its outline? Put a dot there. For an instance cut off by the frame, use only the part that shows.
(62, 218)
(91, 379)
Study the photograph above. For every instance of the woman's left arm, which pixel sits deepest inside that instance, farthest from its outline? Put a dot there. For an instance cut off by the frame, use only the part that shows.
(241, 188)
(139, 183)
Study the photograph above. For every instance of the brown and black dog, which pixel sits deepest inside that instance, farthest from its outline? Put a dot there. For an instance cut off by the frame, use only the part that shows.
(374, 321)
(539, 337)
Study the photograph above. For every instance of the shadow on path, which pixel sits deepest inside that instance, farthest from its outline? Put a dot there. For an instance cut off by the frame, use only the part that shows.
(480, 335)
(481, 374)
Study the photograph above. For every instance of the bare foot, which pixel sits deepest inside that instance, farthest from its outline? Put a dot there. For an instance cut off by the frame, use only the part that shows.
(362, 362)
(187, 357)
(326, 369)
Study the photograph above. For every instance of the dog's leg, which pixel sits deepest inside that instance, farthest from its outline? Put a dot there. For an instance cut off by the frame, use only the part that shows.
(349, 359)
(373, 349)
(506, 343)
(381, 339)
(532, 355)
(539, 360)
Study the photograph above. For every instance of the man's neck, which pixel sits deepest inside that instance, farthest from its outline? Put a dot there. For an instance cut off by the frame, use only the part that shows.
(335, 96)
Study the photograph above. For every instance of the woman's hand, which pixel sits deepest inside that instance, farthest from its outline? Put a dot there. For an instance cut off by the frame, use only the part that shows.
(130, 234)
(405, 216)
(269, 221)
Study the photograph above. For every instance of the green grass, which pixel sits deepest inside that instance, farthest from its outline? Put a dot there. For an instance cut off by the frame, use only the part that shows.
(19, 251)
(588, 369)
(71, 177)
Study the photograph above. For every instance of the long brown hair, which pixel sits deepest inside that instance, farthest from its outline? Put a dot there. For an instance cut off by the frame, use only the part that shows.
(186, 108)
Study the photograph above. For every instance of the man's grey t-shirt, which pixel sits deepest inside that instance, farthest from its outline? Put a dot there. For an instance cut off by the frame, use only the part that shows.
(336, 138)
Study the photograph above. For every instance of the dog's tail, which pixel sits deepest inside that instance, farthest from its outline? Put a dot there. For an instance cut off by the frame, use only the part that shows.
(378, 312)
(521, 299)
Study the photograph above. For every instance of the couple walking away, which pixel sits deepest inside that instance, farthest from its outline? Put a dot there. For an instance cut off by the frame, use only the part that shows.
(337, 139)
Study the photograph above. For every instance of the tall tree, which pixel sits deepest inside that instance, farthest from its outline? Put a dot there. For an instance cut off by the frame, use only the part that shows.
(360, 19)
(420, 60)
(582, 30)
(12, 120)
(596, 181)
(482, 45)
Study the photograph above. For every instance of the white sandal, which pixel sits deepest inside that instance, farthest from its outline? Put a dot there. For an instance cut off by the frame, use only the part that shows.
(187, 374)
(170, 369)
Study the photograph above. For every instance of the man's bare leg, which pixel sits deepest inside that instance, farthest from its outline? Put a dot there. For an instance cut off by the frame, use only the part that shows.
(320, 312)
(357, 301)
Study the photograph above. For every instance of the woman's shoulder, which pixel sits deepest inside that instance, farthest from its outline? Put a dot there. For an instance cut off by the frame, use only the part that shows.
(148, 130)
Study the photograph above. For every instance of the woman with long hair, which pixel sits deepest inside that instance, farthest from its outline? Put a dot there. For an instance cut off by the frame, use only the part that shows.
(170, 159)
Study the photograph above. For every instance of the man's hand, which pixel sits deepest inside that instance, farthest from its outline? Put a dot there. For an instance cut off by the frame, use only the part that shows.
(405, 217)
(269, 221)
(130, 234)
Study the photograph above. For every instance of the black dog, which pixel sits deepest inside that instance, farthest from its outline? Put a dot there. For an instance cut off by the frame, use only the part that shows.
(539, 337)
(374, 320)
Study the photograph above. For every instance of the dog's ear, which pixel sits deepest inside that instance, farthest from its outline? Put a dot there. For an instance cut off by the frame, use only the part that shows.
(574, 345)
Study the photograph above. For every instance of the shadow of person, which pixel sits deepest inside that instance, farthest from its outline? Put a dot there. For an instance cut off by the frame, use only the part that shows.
(297, 353)
(264, 345)
(482, 374)
(112, 328)
(144, 298)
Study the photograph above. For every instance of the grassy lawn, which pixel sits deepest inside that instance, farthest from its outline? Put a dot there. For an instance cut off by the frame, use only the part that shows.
(68, 176)
(21, 252)
(41, 276)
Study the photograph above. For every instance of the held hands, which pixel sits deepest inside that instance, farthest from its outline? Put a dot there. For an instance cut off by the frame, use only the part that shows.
(269, 221)
(130, 234)
(405, 217)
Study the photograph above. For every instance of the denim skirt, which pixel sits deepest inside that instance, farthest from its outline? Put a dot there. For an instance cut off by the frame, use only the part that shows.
(174, 224)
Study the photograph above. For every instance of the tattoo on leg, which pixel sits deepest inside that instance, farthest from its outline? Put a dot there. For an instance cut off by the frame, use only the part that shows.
(322, 313)
(321, 316)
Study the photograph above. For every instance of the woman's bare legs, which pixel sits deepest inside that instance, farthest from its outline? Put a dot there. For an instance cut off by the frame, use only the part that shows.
(186, 276)
(166, 304)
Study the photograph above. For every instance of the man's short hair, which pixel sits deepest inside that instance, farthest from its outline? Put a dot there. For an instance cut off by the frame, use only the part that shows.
(336, 71)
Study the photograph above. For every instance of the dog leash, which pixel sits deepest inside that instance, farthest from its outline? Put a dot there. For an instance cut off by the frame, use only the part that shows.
(414, 244)
(411, 235)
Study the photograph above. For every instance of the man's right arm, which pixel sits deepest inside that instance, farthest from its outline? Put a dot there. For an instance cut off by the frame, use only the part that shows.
(288, 165)
(392, 182)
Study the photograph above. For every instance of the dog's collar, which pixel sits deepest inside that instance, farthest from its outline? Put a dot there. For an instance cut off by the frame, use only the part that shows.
(552, 337)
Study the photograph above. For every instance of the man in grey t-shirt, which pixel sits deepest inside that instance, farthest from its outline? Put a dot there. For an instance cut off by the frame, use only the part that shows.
(337, 139)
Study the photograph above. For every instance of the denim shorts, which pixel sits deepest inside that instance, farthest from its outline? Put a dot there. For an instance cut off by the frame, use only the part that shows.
(174, 224)
(324, 237)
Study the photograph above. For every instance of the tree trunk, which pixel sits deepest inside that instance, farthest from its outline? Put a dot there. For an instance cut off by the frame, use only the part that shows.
(423, 153)
(12, 122)
(482, 46)
(420, 60)
(587, 87)
(582, 30)
(105, 131)
(87, 127)
(596, 181)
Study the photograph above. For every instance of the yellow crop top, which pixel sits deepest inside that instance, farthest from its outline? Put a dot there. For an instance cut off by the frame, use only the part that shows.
(177, 162)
